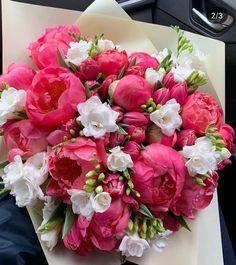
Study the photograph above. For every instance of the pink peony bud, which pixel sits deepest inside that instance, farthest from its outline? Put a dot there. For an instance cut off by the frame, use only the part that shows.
(19, 76)
(131, 92)
(137, 134)
(168, 80)
(135, 118)
(112, 61)
(120, 110)
(155, 135)
(135, 70)
(103, 90)
(144, 60)
(179, 92)
(88, 69)
(223, 164)
(228, 135)
(186, 137)
(115, 139)
(161, 95)
(132, 148)
(113, 186)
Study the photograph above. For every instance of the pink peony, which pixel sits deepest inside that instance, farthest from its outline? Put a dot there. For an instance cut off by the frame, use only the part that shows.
(161, 95)
(135, 70)
(102, 232)
(115, 139)
(159, 175)
(88, 69)
(155, 135)
(144, 60)
(54, 96)
(112, 185)
(25, 139)
(186, 137)
(112, 61)
(135, 118)
(58, 136)
(228, 135)
(132, 148)
(44, 49)
(68, 166)
(194, 196)
(137, 134)
(19, 76)
(199, 110)
(179, 92)
(131, 92)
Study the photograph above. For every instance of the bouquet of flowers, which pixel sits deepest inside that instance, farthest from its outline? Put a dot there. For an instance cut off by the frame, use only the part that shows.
(122, 148)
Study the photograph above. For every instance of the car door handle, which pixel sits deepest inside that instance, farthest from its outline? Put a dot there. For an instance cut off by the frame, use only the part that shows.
(216, 27)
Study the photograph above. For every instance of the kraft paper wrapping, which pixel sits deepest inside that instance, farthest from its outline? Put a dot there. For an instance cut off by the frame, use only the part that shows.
(22, 23)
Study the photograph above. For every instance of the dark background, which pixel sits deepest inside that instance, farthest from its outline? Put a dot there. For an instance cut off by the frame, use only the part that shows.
(182, 13)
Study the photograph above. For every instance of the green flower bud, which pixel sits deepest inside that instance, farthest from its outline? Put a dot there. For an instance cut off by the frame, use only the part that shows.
(128, 190)
(130, 225)
(101, 176)
(88, 188)
(91, 173)
(91, 182)
(99, 189)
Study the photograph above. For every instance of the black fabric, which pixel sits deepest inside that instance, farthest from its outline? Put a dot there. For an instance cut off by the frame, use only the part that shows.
(18, 242)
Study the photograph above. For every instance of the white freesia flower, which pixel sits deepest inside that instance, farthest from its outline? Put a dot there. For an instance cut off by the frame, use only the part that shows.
(97, 117)
(167, 117)
(118, 160)
(78, 51)
(82, 202)
(201, 157)
(104, 45)
(101, 202)
(193, 60)
(162, 55)
(181, 73)
(152, 76)
(225, 154)
(160, 242)
(133, 245)
(11, 102)
(24, 180)
(50, 237)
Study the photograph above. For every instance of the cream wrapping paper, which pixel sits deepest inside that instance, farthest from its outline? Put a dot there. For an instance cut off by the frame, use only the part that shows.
(22, 23)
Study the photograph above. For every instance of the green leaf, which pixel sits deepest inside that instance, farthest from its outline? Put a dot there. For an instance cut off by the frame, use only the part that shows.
(133, 62)
(144, 210)
(3, 164)
(61, 59)
(180, 219)
(87, 91)
(120, 130)
(73, 66)
(2, 133)
(110, 101)
(56, 217)
(124, 125)
(121, 73)
(69, 221)
(5, 86)
(4, 191)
